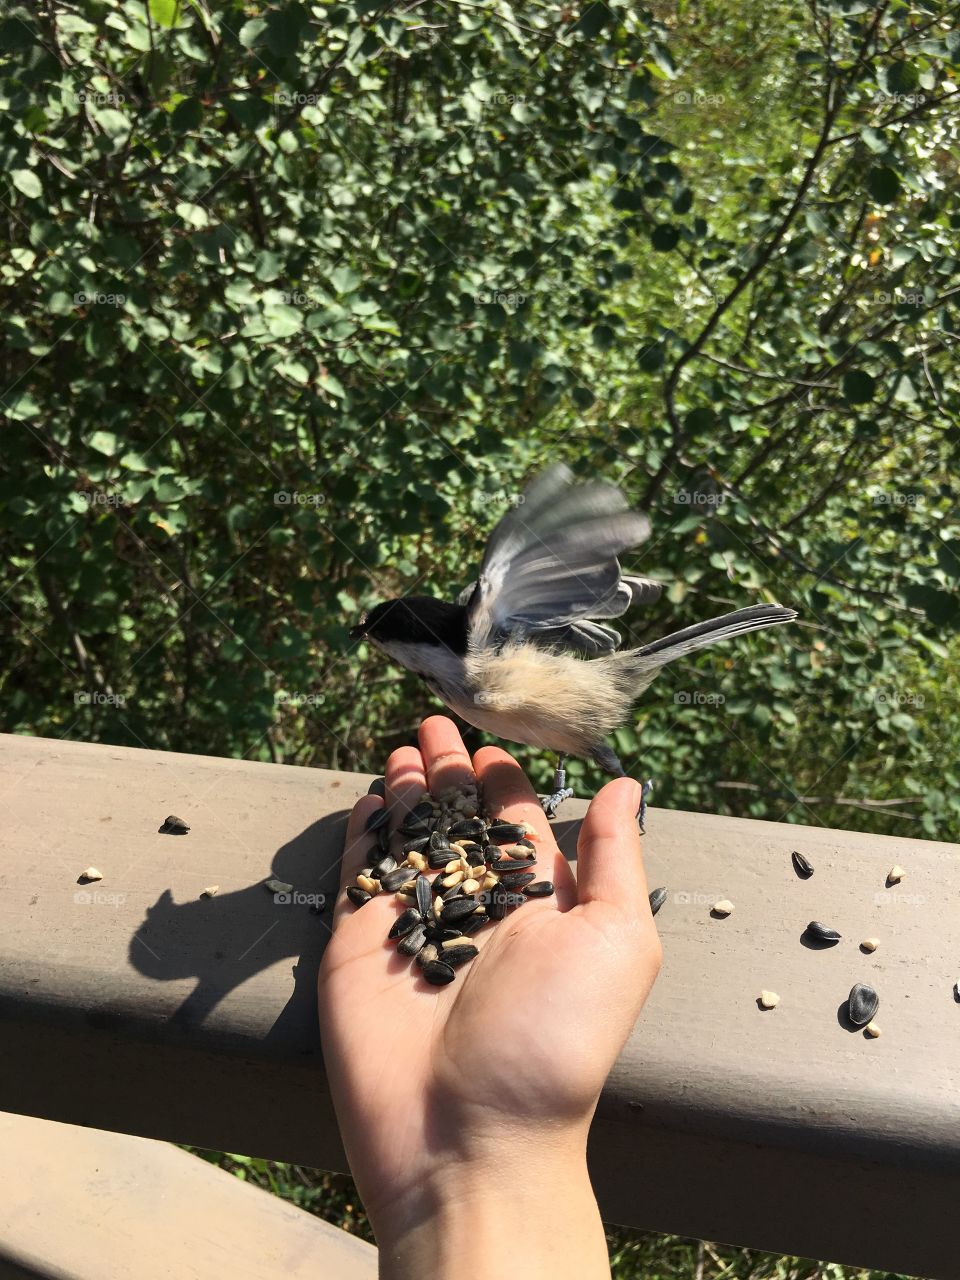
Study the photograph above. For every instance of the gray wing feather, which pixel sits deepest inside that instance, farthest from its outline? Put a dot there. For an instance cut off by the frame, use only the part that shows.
(551, 564)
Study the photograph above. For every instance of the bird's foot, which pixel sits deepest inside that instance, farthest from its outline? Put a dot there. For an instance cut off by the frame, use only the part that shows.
(560, 792)
(646, 791)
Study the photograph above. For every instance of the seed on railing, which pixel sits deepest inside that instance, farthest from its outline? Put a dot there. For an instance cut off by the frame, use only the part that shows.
(872, 1030)
(657, 898)
(722, 908)
(90, 874)
(895, 875)
(862, 1003)
(769, 999)
(173, 826)
(802, 865)
(821, 932)
(277, 886)
(210, 891)
(869, 944)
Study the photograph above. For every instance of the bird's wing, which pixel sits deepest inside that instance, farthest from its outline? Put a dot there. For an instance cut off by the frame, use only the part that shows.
(551, 564)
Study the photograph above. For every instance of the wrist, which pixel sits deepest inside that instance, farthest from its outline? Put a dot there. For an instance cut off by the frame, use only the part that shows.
(529, 1210)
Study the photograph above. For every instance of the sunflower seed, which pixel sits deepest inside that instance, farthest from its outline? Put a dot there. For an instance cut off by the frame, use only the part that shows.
(769, 999)
(210, 891)
(869, 944)
(381, 868)
(458, 909)
(505, 832)
(497, 905)
(539, 889)
(414, 827)
(438, 973)
(383, 840)
(803, 866)
(392, 881)
(872, 1030)
(862, 1003)
(417, 861)
(91, 873)
(438, 860)
(456, 956)
(405, 922)
(424, 893)
(657, 898)
(414, 940)
(277, 886)
(455, 891)
(518, 851)
(722, 908)
(416, 846)
(379, 818)
(475, 858)
(426, 954)
(821, 932)
(468, 827)
(500, 865)
(518, 879)
(357, 896)
(895, 875)
(174, 826)
(438, 840)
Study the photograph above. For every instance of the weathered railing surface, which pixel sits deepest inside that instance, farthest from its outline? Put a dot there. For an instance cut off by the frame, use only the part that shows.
(134, 1004)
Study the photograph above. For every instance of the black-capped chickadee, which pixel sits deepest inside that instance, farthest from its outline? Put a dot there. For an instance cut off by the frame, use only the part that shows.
(508, 655)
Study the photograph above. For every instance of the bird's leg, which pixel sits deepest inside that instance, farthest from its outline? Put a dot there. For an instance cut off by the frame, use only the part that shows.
(646, 790)
(561, 791)
(608, 760)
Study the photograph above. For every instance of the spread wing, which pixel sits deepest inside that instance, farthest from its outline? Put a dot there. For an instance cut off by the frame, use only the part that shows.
(551, 567)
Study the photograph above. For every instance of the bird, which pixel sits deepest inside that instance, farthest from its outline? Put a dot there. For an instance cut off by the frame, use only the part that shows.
(525, 652)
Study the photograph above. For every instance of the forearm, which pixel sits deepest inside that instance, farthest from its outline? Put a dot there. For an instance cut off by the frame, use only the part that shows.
(532, 1215)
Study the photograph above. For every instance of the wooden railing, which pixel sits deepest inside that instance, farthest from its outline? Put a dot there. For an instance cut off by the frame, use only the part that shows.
(135, 1004)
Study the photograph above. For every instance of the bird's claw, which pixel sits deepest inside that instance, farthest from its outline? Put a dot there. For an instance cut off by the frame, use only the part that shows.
(551, 803)
(646, 791)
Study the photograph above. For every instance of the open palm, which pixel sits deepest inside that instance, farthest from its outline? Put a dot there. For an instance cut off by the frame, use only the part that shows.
(522, 1041)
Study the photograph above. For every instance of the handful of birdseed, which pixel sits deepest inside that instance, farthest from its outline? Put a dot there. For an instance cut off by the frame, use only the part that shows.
(482, 869)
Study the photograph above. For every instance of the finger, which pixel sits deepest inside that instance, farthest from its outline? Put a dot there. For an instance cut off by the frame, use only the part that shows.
(358, 849)
(609, 860)
(447, 759)
(405, 782)
(507, 793)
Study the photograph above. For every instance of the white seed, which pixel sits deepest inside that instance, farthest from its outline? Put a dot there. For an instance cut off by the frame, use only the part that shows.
(466, 868)
(452, 865)
(769, 999)
(870, 944)
(529, 830)
(368, 884)
(91, 873)
(459, 844)
(895, 874)
(872, 1030)
(470, 886)
(490, 879)
(438, 905)
(409, 886)
(455, 942)
(452, 880)
(210, 891)
(723, 907)
(281, 886)
(418, 861)
(409, 898)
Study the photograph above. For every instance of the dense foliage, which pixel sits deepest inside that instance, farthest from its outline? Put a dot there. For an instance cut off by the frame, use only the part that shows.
(296, 294)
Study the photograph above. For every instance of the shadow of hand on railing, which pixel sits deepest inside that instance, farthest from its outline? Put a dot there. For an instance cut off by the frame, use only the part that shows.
(225, 940)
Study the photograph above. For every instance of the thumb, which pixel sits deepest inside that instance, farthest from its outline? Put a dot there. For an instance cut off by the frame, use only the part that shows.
(609, 860)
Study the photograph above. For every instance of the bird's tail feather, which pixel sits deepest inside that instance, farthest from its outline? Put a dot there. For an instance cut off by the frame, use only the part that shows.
(703, 634)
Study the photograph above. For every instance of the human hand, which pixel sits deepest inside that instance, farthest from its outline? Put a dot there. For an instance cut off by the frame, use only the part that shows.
(455, 1100)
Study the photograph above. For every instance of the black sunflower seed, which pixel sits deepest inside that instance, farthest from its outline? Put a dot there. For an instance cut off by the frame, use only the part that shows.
(173, 826)
(458, 909)
(438, 841)
(803, 866)
(438, 973)
(472, 924)
(413, 941)
(426, 954)
(405, 922)
(862, 1003)
(357, 895)
(415, 846)
(539, 889)
(475, 857)
(456, 956)
(821, 932)
(497, 905)
(439, 859)
(467, 827)
(657, 898)
(449, 894)
(394, 879)
(383, 839)
(517, 879)
(414, 826)
(509, 865)
(379, 818)
(505, 832)
(381, 868)
(424, 894)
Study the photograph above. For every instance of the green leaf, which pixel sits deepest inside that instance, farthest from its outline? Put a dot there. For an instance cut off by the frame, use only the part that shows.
(858, 386)
(27, 182)
(104, 442)
(165, 12)
(187, 115)
(883, 184)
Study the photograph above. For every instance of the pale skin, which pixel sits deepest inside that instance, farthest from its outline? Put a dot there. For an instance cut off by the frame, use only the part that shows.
(465, 1109)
